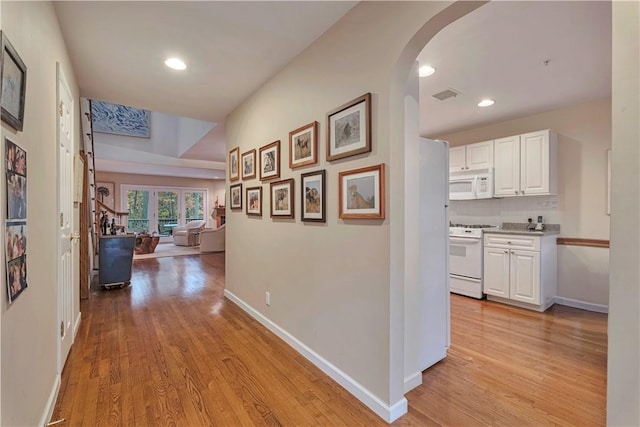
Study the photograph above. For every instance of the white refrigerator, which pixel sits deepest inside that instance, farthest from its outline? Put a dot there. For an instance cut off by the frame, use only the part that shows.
(433, 275)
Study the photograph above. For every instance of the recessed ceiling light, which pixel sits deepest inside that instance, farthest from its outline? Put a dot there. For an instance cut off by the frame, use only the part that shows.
(175, 63)
(486, 103)
(426, 70)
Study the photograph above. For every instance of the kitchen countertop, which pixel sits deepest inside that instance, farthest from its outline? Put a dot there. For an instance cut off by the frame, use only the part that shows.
(521, 228)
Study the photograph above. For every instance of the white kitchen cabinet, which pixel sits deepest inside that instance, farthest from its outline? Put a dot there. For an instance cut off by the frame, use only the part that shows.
(526, 165)
(506, 178)
(496, 272)
(471, 156)
(520, 269)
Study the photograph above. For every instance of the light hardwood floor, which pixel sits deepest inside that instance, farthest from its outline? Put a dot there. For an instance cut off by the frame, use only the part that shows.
(171, 350)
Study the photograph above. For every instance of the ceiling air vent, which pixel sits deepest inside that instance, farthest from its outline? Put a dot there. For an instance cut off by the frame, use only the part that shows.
(446, 94)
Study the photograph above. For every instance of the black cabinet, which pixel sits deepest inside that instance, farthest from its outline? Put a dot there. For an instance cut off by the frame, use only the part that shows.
(116, 258)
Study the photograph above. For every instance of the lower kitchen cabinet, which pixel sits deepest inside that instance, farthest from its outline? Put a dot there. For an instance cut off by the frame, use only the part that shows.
(521, 269)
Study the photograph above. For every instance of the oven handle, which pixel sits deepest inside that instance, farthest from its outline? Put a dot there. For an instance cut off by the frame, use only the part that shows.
(465, 240)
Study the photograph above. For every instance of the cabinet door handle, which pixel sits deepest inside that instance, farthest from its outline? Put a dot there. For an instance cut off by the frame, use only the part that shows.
(516, 191)
(506, 252)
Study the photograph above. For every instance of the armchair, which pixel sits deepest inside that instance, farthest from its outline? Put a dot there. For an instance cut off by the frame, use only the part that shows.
(212, 240)
(187, 235)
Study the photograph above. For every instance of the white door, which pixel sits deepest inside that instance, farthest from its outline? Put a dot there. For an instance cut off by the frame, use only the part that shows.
(480, 155)
(534, 163)
(525, 276)
(65, 110)
(507, 166)
(496, 272)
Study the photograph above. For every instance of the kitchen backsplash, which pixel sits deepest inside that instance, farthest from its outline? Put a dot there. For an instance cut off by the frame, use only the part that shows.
(508, 209)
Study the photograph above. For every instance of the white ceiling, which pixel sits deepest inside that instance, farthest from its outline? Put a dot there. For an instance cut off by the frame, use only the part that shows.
(499, 52)
(232, 48)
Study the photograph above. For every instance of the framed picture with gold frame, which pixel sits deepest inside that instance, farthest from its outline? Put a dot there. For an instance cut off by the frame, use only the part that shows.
(303, 146)
(248, 161)
(234, 169)
(361, 193)
(270, 161)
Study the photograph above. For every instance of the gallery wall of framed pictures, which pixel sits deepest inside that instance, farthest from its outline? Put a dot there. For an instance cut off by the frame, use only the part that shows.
(360, 193)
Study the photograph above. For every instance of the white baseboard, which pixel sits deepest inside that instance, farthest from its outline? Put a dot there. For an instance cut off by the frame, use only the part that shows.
(51, 402)
(387, 412)
(412, 381)
(598, 308)
(76, 326)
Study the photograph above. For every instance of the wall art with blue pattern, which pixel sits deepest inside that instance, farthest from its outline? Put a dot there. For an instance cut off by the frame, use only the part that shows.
(120, 119)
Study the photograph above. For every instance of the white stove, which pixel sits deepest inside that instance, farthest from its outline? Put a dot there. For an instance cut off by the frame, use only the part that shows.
(465, 258)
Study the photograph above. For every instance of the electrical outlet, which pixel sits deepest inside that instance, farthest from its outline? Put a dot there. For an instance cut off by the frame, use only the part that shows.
(267, 298)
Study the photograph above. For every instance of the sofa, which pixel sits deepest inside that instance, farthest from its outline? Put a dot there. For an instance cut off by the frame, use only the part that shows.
(212, 239)
(188, 234)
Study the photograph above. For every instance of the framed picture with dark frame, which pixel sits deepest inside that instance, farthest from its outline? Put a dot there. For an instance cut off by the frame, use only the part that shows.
(270, 161)
(282, 199)
(235, 198)
(349, 128)
(303, 146)
(13, 74)
(313, 196)
(248, 161)
(361, 193)
(254, 201)
(234, 171)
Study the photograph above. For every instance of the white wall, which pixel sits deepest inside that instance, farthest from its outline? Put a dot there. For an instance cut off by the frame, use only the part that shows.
(584, 136)
(29, 332)
(623, 373)
(337, 287)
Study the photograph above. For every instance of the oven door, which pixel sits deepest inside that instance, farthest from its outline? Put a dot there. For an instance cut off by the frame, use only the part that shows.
(465, 257)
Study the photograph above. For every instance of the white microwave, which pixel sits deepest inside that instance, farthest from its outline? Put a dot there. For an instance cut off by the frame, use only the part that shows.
(471, 185)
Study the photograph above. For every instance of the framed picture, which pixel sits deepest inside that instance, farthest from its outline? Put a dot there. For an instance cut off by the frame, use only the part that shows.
(234, 172)
(236, 196)
(16, 258)
(361, 193)
(16, 180)
(349, 129)
(120, 119)
(303, 146)
(13, 74)
(249, 164)
(270, 161)
(254, 201)
(313, 196)
(282, 199)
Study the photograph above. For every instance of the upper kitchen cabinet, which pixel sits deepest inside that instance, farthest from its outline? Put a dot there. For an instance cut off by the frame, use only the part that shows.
(471, 156)
(526, 165)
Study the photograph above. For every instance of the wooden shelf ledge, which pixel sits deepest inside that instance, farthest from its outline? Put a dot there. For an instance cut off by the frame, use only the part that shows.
(574, 241)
